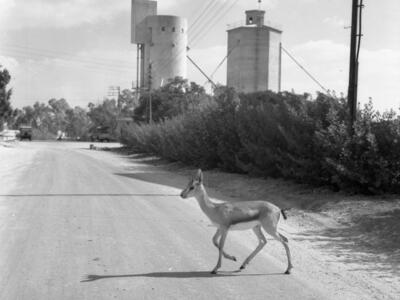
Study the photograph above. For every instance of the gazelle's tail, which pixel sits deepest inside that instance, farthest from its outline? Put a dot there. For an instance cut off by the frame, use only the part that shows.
(283, 212)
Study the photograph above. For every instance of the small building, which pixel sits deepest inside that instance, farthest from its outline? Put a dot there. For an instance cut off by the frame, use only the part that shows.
(254, 55)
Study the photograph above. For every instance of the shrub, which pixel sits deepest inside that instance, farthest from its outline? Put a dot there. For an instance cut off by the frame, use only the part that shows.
(281, 135)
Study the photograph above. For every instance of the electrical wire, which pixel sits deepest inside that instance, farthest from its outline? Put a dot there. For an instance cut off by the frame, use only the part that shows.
(210, 3)
(192, 26)
(216, 16)
(166, 63)
(214, 10)
(65, 55)
(308, 73)
(67, 62)
(210, 6)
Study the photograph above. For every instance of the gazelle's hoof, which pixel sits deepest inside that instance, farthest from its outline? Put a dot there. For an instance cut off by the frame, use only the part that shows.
(242, 267)
(214, 272)
(287, 272)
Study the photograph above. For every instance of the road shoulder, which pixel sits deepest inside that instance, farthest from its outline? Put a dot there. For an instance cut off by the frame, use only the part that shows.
(339, 240)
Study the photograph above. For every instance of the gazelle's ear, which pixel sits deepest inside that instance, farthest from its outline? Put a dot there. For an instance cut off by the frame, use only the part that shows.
(199, 176)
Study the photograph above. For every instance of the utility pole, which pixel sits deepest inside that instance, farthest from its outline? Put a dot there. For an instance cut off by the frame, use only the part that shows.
(150, 88)
(115, 91)
(355, 42)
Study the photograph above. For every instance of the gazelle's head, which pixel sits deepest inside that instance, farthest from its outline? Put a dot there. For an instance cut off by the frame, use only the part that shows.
(193, 185)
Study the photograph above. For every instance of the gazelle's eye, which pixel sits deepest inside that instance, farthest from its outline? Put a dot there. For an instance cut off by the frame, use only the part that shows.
(191, 188)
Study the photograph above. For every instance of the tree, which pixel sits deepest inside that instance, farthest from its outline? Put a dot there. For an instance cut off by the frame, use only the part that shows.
(42, 117)
(172, 99)
(58, 113)
(23, 116)
(104, 115)
(127, 101)
(6, 110)
(78, 123)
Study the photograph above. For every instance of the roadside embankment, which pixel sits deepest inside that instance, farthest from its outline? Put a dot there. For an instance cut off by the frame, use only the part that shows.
(349, 242)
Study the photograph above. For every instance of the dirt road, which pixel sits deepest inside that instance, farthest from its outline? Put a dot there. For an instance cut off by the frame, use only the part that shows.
(82, 224)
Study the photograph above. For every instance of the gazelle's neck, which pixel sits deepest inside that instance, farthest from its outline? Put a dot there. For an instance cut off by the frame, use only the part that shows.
(204, 201)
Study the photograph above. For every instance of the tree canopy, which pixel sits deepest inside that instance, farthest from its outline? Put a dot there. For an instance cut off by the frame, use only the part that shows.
(6, 110)
(176, 97)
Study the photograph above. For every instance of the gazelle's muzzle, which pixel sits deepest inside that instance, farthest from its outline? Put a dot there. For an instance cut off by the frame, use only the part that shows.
(183, 194)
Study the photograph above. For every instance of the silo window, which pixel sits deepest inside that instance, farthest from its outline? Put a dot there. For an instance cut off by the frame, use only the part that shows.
(251, 20)
(163, 28)
(173, 29)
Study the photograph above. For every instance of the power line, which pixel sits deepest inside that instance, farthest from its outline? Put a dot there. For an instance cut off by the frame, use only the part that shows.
(69, 65)
(215, 8)
(192, 27)
(305, 71)
(42, 54)
(210, 3)
(220, 11)
(82, 63)
(200, 35)
(64, 53)
(217, 16)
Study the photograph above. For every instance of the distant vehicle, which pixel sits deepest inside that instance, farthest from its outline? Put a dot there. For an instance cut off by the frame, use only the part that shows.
(25, 132)
(102, 134)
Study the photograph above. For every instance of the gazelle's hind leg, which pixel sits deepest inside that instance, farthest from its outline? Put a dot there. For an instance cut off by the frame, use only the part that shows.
(278, 236)
(270, 226)
(216, 243)
(261, 243)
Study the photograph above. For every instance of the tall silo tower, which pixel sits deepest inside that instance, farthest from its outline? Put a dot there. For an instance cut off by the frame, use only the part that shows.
(161, 44)
(254, 55)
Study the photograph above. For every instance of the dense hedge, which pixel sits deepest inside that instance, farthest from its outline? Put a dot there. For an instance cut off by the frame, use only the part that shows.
(282, 135)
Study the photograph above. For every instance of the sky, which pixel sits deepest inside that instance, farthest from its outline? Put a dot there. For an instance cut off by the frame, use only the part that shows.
(76, 49)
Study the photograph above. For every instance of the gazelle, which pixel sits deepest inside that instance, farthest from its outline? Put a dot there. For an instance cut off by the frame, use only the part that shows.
(238, 216)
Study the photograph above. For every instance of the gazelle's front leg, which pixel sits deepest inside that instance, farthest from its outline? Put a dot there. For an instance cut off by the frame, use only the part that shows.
(261, 243)
(223, 232)
(216, 243)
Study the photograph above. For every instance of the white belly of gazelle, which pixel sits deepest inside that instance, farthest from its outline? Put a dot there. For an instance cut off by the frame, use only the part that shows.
(242, 225)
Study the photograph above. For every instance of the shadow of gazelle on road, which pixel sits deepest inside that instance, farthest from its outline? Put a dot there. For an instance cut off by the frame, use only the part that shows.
(189, 274)
(157, 177)
(90, 195)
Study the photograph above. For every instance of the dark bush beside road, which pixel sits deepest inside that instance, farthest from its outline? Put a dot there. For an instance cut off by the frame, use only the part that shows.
(282, 135)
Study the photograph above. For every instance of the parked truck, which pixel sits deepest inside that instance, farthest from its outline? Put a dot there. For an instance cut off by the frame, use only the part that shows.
(25, 132)
(102, 134)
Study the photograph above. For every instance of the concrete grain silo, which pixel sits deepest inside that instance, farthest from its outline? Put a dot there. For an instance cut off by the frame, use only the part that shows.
(161, 44)
(254, 55)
